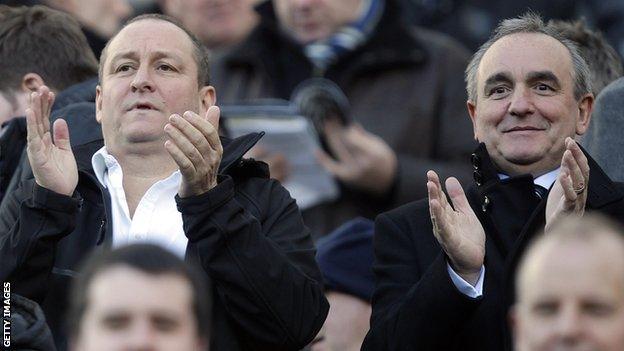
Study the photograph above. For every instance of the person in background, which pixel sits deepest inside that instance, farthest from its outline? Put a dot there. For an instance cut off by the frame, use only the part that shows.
(139, 297)
(570, 289)
(403, 84)
(345, 258)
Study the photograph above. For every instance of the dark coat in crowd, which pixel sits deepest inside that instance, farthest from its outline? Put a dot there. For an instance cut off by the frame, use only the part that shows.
(246, 233)
(404, 84)
(416, 306)
(29, 330)
(76, 105)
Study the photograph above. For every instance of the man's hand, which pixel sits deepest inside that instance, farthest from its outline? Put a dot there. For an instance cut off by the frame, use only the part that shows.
(195, 146)
(569, 193)
(363, 160)
(278, 164)
(53, 163)
(458, 230)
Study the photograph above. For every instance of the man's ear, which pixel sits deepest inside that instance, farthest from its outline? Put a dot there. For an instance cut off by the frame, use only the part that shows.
(31, 82)
(585, 106)
(207, 98)
(472, 111)
(98, 104)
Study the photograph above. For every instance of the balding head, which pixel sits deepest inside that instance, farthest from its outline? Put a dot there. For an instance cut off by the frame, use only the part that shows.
(570, 289)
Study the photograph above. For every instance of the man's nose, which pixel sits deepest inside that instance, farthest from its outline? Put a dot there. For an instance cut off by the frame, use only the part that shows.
(521, 102)
(141, 337)
(142, 80)
(569, 325)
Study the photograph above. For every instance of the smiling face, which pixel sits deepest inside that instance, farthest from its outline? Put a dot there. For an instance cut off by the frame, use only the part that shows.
(149, 73)
(525, 104)
(572, 298)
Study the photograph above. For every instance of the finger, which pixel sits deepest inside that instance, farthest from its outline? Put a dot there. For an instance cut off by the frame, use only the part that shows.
(208, 126)
(32, 130)
(578, 181)
(458, 197)
(332, 166)
(187, 148)
(568, 187)
(580, 158)
(334, 134)
(61, 134)
(433, 176)
(190, 132)
(35, 105)
(44, 100)
(184, 163)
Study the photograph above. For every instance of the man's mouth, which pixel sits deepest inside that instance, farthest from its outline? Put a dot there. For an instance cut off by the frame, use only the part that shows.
(523, 129)
(143, 106)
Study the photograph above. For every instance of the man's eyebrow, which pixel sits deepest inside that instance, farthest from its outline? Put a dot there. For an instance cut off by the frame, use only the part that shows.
(499, 77)
(543, 76)
(156, 55)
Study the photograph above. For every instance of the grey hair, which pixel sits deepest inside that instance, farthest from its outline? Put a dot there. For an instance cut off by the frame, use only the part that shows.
(529, 23)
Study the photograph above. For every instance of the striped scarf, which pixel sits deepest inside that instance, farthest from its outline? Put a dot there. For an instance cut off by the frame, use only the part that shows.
(327, 51)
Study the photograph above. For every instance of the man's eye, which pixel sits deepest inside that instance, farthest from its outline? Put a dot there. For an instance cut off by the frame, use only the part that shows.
(498, 91)
(123, 68)
(166, 68)
(545, 309)
(544, 87)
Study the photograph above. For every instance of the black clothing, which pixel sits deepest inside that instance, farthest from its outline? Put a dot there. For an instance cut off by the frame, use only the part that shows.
(416, 306)
(247, 234)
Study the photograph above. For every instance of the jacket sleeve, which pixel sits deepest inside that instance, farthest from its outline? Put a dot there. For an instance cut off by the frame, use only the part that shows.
(415, 305)
(260, 256)
(32, 221)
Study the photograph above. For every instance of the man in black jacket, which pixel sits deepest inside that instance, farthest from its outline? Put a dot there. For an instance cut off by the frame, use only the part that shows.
(442, 266)
(163, 176)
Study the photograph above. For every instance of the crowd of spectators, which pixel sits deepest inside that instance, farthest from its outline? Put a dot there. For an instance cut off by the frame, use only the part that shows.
(469, 140)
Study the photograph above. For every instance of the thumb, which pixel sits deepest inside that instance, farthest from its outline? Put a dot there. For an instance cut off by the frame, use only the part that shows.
(61, 134)
(213, 115)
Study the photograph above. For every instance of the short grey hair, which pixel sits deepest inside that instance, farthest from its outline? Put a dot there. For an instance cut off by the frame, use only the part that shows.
(529, 23)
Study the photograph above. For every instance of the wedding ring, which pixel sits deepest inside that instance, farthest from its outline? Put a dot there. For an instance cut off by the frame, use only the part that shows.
(580, 189)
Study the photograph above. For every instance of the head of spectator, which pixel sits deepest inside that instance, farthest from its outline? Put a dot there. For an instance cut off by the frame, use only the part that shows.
(309, 21)
(604, 62)
(570, 289)
(529, 89)
(39, 46)
(141, 86)
(102, 17)
(217, 23)
(139, 297)
(345, 258)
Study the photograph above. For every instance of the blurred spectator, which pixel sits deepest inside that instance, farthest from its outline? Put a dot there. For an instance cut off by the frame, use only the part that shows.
(100, 19)
(39, 46)
(471, 21)
(604, 138)
(404, 85)
(219, 24)
(345, 258)
(570, 289)
(605, 65)
(139, 297)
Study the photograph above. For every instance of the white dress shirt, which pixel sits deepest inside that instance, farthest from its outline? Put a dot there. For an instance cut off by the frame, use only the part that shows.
(546, 181)
(156, 219)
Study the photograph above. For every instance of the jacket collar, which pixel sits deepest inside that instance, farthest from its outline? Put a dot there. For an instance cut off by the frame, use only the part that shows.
(80, 92)
(233, 151)
(601, 189)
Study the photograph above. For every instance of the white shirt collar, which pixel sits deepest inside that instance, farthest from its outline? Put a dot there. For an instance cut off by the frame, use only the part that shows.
(101, 161)
(545, 180)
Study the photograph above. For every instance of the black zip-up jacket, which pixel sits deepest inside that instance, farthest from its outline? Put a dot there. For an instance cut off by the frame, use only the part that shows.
(247, 234)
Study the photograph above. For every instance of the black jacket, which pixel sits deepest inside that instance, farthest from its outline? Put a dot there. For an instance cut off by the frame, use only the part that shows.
(404, 84)
(247, 234)
(416, 306)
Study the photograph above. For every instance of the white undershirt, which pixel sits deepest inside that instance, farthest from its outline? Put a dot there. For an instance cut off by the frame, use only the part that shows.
(546, 181)
(156, 219)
